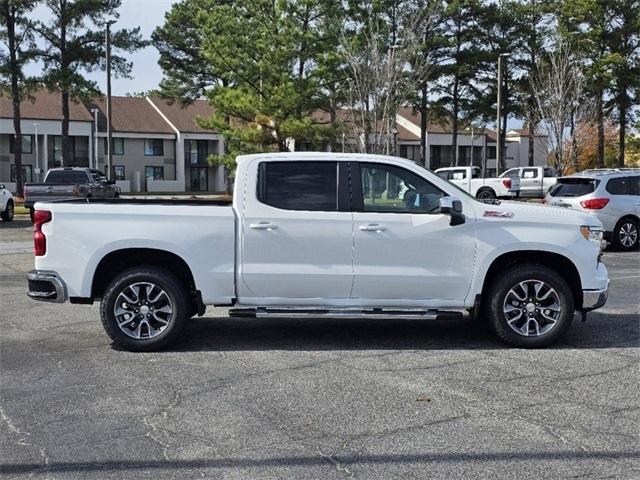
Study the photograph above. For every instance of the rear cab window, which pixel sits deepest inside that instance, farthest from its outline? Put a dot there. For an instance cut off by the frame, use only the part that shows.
(574, 187)
(67, 177)
(299, 185)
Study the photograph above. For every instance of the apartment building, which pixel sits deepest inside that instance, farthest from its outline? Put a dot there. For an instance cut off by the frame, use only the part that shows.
(156, 146)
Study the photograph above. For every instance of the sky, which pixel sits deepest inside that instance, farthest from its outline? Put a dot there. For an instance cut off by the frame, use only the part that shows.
(146, 74)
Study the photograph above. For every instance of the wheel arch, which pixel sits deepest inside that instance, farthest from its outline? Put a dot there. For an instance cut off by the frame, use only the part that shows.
(117, 261)
(555, 261)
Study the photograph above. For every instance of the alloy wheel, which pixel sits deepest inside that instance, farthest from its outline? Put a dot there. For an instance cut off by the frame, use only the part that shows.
(532, 308)
(143, 310)
(628, 234)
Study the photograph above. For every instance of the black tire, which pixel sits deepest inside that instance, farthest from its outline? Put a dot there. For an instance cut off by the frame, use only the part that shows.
(7, 214)
(486, 193)
(177, 298)
(495, 305)
(626, 235)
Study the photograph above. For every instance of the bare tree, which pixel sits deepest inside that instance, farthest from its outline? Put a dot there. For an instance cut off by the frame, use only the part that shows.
(559, 92)
(384, 69)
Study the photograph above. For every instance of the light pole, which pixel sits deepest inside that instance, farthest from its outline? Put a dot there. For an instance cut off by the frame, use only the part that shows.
(108, 49)
(95, 137)
(35, 130)
(499, 145)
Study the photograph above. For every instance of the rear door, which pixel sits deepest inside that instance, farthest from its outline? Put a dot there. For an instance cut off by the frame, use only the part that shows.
(296, 233)
(406, 253)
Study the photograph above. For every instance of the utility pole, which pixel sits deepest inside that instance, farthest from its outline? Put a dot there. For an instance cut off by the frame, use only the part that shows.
(499, 143)
(108, 48)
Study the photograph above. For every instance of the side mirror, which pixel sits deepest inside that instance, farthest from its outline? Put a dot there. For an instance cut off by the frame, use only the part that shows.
(453, 207)
(2, 186)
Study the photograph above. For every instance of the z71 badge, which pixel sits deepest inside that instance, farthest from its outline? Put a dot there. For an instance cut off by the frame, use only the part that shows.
(494, 214)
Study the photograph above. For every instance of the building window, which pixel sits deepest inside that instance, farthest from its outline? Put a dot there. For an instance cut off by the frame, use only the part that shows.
(55, 151)
(154, 147)
(411, 152)
(491, 153)
(117, 146)
(27, 143)
(199, 179)
(27, 173)
(197, 151)
(118, 172)
(154, 173)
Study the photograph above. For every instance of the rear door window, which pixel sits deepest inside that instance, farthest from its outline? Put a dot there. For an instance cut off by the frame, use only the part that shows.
(311, 186)
(529, 173)
(574, 187)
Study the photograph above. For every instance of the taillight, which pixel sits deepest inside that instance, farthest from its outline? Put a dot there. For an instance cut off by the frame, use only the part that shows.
(594, 203)
(40, 217)
(507, 182)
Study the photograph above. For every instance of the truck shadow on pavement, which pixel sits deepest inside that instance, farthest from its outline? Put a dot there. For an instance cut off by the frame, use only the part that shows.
(233, 334)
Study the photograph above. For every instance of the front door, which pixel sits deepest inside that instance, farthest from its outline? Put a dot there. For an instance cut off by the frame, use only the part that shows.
(405, 251)
(297, 237)
(199, 179)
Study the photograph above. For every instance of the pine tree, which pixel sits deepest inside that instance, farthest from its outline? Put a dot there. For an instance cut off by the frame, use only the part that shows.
(16, 36)
(74, 44)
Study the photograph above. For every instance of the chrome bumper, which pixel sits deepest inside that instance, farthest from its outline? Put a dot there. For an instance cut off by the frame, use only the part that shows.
(592, 299)
(46, 286)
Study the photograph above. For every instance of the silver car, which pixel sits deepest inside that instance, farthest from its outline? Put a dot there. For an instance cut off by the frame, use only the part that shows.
(612, 195)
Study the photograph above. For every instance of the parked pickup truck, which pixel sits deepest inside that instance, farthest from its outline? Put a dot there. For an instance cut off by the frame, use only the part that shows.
(68, 183)
(321, 235)
(535, 182)
(470, 180)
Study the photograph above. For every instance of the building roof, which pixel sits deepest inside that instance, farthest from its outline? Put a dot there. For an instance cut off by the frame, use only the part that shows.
(45, 105)
(129, 114)
(183, 117)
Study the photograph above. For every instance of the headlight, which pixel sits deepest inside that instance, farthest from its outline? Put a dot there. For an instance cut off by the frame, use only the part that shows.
(593, 234)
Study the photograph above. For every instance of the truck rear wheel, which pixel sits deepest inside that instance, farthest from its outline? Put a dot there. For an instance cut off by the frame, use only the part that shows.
(529, 306)
(486, 194)
(144, 309)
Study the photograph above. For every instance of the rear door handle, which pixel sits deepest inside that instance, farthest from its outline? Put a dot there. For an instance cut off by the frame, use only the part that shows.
(263, 226)
(372, 227)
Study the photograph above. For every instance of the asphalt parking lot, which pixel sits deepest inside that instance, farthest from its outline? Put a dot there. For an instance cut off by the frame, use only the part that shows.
(317, 399)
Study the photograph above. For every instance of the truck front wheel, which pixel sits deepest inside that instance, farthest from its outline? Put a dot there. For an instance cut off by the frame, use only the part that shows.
(144, 309)
(486, 194)
(529, 306)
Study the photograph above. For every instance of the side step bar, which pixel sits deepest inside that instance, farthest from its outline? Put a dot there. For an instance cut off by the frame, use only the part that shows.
(417, 314)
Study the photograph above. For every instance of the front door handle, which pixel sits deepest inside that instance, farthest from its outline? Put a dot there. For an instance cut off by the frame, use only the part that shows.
(372, 227)
(263, 226)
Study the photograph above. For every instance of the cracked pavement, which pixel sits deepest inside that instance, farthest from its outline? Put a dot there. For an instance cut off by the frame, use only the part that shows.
(323, 399)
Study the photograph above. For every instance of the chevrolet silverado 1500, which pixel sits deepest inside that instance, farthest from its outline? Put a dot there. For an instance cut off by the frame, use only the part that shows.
(321, 235)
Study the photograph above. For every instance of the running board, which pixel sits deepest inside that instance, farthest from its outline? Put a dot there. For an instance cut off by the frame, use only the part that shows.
(417, 314)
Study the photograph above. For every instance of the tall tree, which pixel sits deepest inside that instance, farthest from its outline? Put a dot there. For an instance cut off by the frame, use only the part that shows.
(533, 27)
(459, 72)
(267, 54)
(16, 36)
(559, 87)
(74, 44)
(188, 74)
(625, 47)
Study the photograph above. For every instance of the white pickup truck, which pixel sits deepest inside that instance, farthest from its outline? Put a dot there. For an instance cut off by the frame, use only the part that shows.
(321, 235)
(471, 181)
(535, 182)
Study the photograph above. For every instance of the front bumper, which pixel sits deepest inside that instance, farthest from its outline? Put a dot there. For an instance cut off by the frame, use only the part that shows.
(593, 299)
(46, 286)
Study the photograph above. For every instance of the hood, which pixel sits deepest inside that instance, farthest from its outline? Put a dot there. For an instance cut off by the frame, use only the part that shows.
(509, 211)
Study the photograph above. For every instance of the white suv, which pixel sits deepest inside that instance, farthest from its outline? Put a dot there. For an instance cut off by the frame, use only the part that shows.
(612, 195)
